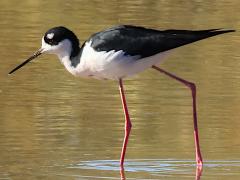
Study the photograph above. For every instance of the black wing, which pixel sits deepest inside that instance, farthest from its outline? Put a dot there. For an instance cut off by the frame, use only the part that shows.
(147, 42)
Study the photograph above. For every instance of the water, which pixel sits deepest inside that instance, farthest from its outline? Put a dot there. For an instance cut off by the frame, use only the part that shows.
(55, 126)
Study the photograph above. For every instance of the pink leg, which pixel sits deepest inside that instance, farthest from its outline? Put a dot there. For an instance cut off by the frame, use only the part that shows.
(128, 124)
(193, 90)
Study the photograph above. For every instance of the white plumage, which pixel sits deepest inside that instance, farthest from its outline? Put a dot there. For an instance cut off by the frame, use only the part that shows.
(108, 65)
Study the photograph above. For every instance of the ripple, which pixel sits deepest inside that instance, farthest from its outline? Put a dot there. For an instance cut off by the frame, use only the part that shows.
(163, 166)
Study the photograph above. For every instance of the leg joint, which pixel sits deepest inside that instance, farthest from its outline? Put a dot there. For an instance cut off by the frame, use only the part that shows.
(128, 125)
(191, 85)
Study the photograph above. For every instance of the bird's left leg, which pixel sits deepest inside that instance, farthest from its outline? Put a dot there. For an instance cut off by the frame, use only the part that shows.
(192, 87)
(128, 124)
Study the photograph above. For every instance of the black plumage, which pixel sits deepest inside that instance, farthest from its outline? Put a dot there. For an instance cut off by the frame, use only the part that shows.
(145, 42)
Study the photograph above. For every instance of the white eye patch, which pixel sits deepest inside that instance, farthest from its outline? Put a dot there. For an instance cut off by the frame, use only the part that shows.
(50, 35)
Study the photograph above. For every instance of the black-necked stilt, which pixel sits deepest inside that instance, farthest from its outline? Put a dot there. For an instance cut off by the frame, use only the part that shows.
(120, 52)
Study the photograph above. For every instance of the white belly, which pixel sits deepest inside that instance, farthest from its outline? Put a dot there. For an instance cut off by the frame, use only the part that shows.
(112, 64)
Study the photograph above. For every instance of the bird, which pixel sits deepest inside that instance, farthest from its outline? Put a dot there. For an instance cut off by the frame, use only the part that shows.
(120, 52)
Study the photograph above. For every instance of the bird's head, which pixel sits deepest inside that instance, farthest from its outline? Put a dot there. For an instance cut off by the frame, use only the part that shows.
(58, 40)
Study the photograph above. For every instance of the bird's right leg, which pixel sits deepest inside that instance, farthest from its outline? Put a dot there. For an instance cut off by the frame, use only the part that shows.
(192, 87)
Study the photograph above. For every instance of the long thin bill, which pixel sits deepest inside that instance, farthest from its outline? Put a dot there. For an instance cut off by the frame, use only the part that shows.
(36, 54)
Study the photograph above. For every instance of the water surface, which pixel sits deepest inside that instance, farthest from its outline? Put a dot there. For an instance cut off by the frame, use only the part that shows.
(56, 126)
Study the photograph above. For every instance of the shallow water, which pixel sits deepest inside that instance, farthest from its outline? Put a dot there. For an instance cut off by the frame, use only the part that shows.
(55, 126)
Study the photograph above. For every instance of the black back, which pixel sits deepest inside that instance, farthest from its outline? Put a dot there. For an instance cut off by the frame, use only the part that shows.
(147, 42)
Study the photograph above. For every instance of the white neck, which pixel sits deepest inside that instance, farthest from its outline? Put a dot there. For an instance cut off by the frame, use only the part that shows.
(63, 54)
(65, 60)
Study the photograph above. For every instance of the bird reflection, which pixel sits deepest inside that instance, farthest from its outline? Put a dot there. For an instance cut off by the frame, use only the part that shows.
(198, 175)
(122, 173)
(199, 170)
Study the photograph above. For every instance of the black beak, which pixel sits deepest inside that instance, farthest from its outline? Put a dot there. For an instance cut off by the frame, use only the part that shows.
(36, 54)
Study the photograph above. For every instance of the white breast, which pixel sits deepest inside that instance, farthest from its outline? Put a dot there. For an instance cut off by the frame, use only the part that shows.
(112, 64)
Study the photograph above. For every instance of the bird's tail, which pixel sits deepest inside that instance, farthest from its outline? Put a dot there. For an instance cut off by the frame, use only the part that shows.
(213, 32)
